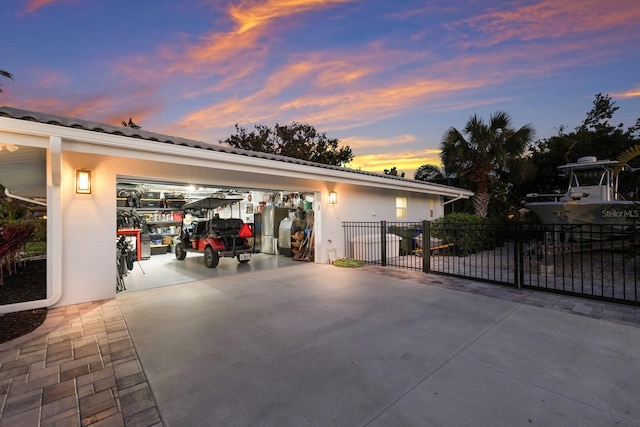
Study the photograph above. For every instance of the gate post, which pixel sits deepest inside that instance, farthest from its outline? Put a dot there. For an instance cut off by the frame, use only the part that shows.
(426, 243)
(518, 274)
(383, 243)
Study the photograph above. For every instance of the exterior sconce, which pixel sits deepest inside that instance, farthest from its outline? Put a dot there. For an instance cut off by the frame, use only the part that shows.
(333, 197)
(83, 182)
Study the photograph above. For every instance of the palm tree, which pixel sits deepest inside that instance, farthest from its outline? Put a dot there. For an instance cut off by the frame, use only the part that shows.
(6, 74)
(430, 173)
(482, 151)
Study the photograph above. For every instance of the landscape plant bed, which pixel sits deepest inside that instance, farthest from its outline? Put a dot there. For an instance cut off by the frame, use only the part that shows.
(28, 283)
(14, 325)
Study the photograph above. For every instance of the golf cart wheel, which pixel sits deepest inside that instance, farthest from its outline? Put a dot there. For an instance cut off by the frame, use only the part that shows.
(211, 257)
(180, 252)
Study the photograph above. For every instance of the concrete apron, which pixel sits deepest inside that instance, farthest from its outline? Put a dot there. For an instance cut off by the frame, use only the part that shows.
(324, 345)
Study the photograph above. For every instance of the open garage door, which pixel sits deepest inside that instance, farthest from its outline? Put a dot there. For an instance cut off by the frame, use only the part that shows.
(155, 217)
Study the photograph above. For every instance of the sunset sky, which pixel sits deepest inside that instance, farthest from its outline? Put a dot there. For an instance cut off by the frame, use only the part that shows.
(385, 77)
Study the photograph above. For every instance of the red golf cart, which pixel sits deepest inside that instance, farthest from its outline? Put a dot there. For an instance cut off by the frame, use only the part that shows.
(202, 231)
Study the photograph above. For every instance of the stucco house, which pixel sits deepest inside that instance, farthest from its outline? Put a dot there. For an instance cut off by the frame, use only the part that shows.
(41, 153)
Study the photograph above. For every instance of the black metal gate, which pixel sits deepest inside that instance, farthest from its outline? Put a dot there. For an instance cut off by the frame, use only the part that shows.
(590, 261)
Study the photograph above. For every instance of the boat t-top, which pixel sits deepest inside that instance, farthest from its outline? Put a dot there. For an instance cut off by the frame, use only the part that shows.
(591, 197)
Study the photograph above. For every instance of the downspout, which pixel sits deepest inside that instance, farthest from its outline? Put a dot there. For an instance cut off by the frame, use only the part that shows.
(54, 233)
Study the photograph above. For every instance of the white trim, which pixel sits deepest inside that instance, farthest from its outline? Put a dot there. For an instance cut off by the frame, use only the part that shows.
(54, 233)
(458, 197)
(24, 199)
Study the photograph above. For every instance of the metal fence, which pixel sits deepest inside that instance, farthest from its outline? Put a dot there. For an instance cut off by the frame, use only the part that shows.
(593, 261)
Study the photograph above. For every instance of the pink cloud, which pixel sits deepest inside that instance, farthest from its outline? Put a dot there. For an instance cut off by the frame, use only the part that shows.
(33, 5)
(39, 94)
(551, 19)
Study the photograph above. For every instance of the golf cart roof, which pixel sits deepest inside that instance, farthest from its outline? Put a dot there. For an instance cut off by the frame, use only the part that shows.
(210, 203)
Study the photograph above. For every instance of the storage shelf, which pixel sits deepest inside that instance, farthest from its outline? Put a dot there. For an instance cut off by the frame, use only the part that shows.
(162, 222)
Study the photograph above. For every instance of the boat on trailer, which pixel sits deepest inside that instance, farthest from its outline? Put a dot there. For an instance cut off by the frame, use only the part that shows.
(591, 204)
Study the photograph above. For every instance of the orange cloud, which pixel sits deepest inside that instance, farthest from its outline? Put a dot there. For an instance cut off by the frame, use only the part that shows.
(227, 54)
(341, 88)
(355, 107)
(631, 93)
(251, 14)
(347, 89)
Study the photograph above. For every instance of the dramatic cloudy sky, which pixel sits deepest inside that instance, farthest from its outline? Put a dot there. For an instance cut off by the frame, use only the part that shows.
(386, 77)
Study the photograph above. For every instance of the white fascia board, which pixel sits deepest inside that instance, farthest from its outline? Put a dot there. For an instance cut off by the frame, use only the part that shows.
(86, 141)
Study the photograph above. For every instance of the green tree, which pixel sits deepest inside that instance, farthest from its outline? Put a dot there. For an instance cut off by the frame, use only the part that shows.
(595, 136)
(6, 74)
(300, 141)
(483, 152)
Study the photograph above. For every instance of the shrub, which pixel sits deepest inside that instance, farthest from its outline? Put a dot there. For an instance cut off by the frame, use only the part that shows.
(467, 232)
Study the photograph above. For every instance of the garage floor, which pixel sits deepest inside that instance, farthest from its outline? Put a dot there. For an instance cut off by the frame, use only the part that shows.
(165, 270)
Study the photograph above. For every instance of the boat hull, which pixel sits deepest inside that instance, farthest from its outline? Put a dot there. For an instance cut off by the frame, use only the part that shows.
(574, 212)
(588, 221)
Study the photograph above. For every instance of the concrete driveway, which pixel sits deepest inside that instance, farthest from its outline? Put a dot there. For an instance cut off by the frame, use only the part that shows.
(319, 345)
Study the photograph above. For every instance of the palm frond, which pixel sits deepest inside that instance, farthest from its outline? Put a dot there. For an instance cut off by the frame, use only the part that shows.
(626, 156)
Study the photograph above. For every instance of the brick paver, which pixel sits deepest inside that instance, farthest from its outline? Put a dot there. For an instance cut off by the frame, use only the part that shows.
(79, 368)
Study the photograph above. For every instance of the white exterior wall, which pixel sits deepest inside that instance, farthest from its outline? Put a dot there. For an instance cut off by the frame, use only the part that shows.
(366, 205)
(88, 232)
(82, 228)
(89, 221)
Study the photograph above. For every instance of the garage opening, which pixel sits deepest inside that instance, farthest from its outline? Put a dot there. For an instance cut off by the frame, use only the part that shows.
(172, 233)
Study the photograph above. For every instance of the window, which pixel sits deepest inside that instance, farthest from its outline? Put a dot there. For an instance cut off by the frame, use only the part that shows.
(401, 207)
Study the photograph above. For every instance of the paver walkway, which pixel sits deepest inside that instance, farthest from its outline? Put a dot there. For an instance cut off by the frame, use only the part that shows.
(78, 368)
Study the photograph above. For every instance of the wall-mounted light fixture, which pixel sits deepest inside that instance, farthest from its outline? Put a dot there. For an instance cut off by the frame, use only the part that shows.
(83, 182)
(333, 197)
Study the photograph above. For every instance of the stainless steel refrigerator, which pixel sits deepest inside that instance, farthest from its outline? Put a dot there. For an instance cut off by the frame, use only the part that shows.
(271, 217)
